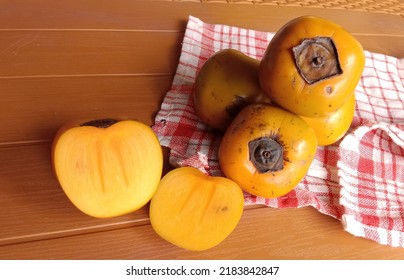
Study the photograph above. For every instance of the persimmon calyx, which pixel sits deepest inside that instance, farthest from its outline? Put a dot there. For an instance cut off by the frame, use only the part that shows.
(317, 59)
(235, 106)
(101, 123)
(266, 154)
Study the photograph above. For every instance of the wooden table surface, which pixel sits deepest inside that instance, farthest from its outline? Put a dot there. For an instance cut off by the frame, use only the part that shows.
(63, 60)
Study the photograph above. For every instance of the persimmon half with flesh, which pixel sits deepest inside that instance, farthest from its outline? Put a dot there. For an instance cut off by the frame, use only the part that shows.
(106, 167)
(195, 211)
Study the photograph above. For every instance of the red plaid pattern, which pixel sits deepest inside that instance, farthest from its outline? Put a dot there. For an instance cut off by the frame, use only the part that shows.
(359, 180)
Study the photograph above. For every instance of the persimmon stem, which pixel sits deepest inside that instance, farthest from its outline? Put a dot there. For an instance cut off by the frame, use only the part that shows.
(317, 59)
(235, 106)
(102, 123)
(266, 154)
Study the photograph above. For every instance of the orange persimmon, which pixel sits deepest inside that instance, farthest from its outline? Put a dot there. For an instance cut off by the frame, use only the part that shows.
(333, 127)
(107, 167)
(267, 150)
(195, 211)
(226, 83)
(311, 66)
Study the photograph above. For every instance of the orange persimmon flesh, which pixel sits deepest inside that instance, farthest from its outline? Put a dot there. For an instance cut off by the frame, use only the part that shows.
(108, 171)
(195, 211)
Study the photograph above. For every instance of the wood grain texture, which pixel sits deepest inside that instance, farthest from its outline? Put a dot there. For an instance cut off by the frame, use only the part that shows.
(263, 233)
(47, 53)
(65, 60)
(34, 207)
(37, 107)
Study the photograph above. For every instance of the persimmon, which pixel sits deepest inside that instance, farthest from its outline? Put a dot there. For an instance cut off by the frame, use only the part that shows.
(106, 167)
(226, 83)
(195, 211)
(331, 128)
(311, 66)
(267, 150)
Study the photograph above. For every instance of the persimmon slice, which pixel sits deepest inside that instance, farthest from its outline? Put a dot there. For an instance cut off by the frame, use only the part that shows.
(195, 211)
(107, 168)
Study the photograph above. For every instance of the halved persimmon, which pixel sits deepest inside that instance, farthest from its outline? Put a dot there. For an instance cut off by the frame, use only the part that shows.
(195, 211)
(107, 167)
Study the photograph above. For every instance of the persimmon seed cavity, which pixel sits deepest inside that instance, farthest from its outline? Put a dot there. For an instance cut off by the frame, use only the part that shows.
(102, 123)
(317, 59)
(266, 154)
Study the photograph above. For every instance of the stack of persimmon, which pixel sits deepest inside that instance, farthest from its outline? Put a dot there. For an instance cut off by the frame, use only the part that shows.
(272, 113)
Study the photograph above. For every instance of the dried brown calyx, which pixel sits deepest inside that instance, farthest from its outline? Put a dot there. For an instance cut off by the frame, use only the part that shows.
(266, 154)
(317, 59)
(236, 106)
(102, 123)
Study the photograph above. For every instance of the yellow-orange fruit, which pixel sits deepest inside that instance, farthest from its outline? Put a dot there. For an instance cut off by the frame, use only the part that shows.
(107, 168)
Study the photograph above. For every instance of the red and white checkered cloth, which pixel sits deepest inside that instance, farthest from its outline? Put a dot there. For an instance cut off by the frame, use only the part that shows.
(359, 180)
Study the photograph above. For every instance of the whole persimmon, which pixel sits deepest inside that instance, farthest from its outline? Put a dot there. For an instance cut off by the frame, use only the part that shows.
(332, 128)
(106, 167)
(195, 211)
(311, 66)
(226, 83)
(267, 150)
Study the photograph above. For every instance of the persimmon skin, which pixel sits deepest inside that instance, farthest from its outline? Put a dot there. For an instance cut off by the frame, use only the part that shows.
(259, 121)
(107, 171)
(195, 211)
(280, 78)
(226, 83)
(332, 128)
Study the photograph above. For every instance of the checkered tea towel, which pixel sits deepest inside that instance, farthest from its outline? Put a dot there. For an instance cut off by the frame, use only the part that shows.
(359, 180)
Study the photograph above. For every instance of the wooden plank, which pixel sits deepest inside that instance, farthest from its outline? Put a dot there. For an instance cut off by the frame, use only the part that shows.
(172, 15)
(34, 108)
(38, 221)
(389, 45)
(263, 233)
(83, 52)
(52, 53)
(33, 205)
